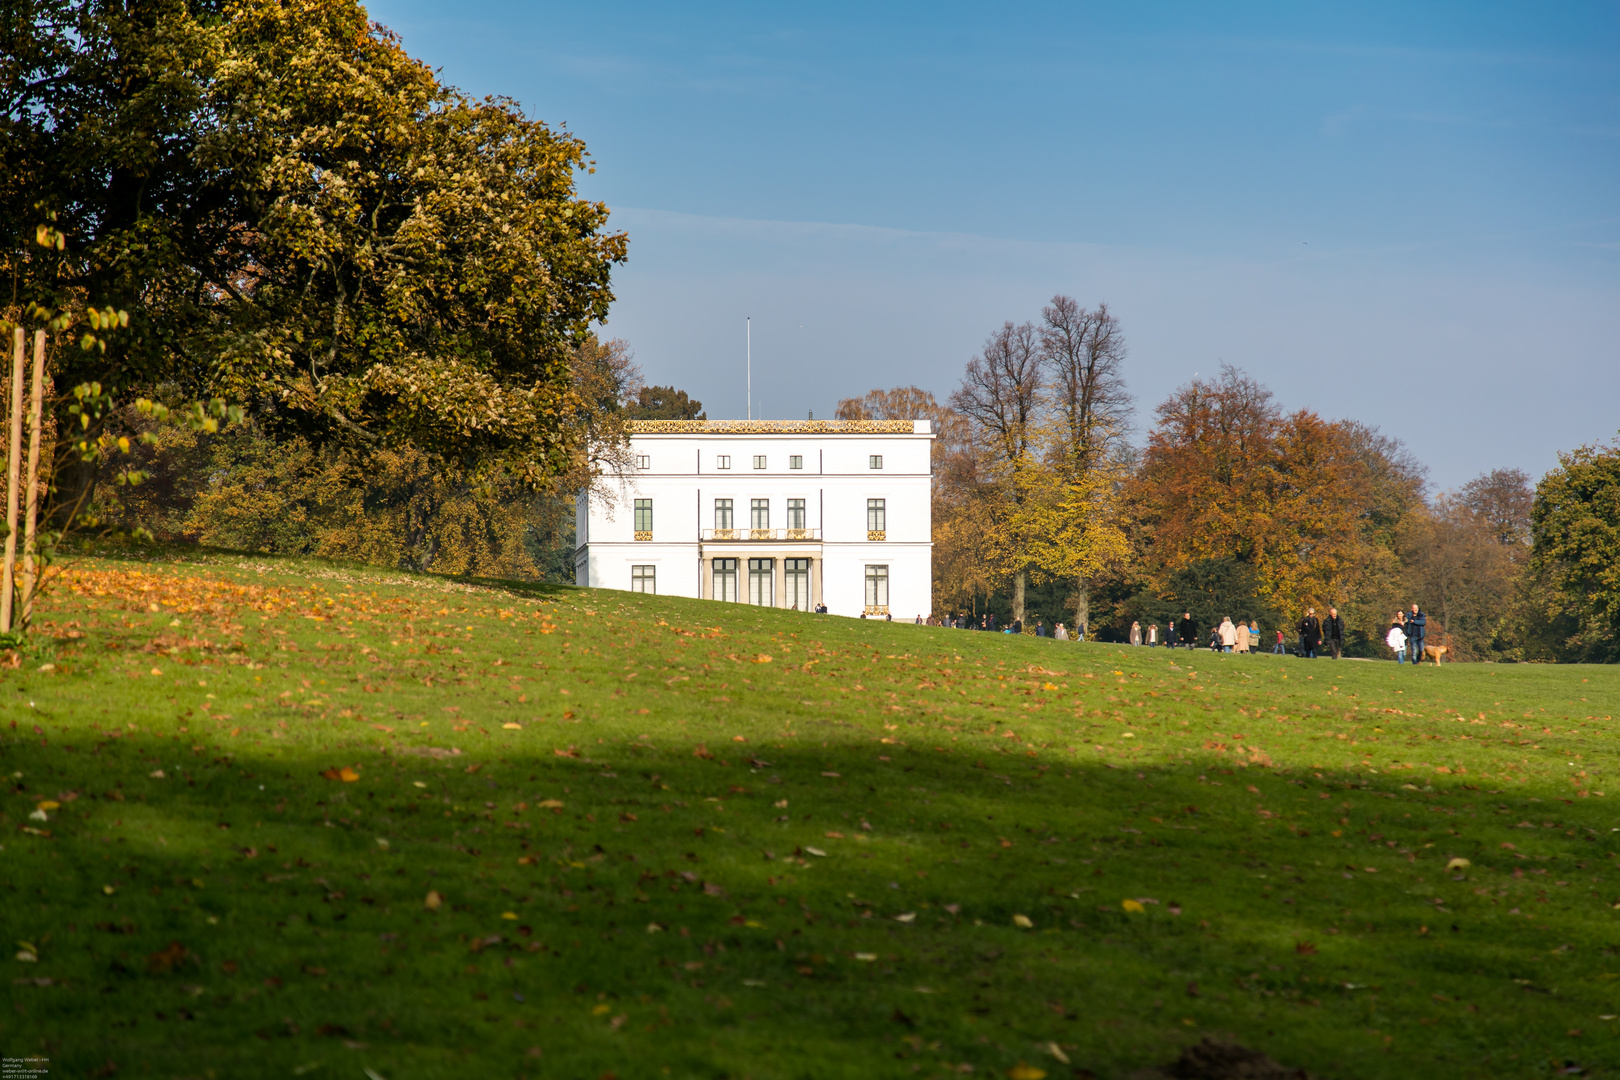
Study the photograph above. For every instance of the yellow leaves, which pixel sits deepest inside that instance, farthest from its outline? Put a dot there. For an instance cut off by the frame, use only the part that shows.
(512, 727)
(434, 901)
(906, 917)
(1023, 922)
(1132, 907)
(48, 804)
(866, 957)
(345, 774)
(1458, 864)
(601, 1010)
(1022, 1071)
(509, 915)
(762, 658)
(549, 804)
(1048, 686)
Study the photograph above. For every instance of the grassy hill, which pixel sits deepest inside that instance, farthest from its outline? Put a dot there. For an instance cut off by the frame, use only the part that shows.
(275, 818)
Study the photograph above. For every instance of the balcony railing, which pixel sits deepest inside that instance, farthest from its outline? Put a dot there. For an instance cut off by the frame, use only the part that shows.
(757, 535)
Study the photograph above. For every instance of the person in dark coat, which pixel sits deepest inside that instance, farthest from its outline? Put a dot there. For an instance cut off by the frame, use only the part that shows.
(1040, 628)
(1018, 626)
(1333, 632)
(1310, 634)
(1188, 630)
(1171, 637)
(1416, 630)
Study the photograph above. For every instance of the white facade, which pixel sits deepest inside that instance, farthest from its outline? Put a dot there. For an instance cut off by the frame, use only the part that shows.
(784, 513)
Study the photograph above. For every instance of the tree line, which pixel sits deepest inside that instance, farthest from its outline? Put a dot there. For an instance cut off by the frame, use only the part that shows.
(1049, 503)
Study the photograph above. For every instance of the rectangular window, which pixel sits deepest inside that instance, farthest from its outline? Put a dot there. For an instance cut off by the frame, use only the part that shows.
(795, 461)
(644, 579)
(722, 461)
(796, 583)
(877, 515)
(877, 589)
(759, 513)
(722, 514)
(795, 514)
(725, 580)
(643, 519)
(762, 582)
(759, 461)
(875, 461)
(643, 461)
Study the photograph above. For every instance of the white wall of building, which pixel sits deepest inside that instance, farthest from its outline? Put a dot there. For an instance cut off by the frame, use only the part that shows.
(684, 475)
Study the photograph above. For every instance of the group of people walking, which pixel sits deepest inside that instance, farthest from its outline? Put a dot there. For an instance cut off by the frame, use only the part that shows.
(1228, 636)
(1315, 635)
(1406, 635)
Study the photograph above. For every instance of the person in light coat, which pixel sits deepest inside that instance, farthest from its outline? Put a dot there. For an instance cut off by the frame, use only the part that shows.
(1242, 636)
(1228, 634)
(1060, 633)
(1153, 635)
(1136, 633)
(1396, 638)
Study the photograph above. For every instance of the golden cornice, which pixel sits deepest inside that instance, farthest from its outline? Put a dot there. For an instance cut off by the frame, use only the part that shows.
(771, 427)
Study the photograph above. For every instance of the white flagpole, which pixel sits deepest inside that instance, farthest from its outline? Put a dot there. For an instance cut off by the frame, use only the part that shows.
(748, 328)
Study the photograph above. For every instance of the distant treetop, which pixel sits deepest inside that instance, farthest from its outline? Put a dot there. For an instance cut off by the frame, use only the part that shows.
(665, 403)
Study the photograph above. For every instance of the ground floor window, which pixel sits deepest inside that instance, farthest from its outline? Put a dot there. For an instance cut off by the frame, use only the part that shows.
(725, 580)
(762, 582)
(796, 582)
(877, 586)
(644, 579)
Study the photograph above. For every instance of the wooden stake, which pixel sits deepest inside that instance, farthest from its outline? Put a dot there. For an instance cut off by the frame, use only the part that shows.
(36, 407)
(8, 579)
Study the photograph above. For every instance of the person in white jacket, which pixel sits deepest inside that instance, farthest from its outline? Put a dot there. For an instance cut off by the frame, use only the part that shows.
(1396, 638)
(1228, 634)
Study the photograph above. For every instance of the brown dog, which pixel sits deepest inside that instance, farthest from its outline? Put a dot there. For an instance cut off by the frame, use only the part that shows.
(1436, 651)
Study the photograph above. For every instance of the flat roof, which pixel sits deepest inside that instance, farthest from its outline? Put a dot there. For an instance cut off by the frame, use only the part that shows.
(780, 427)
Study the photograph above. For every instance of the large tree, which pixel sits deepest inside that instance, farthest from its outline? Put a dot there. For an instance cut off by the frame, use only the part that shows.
(1575, 525)
(296, 214)
(1309, 504)
(1078, 529)
(1002, 399)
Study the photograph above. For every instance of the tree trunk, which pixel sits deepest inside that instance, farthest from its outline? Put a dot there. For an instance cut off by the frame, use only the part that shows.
(72, 480)
(1082, 610)
(1018, 595)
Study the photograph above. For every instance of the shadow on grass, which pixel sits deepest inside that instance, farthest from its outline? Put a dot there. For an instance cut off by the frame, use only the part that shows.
(766, 911)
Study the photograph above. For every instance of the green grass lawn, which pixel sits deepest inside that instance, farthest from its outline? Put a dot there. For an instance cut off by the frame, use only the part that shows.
(587, 833)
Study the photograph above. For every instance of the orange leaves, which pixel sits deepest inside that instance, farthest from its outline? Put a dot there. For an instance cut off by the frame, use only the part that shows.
(345, 774)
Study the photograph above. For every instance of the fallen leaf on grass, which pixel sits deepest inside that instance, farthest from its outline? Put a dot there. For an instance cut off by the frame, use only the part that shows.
(165, 959)
(345, 774)
(866, 957)
(156, 774)
(911, 916)
(1305, 948)
(1023, 922)
(1021, 1071)
(815, 851)
(513, 727)
(1056, 1051)
(1458, 864)
(434, 901)
(549, 804)
(1132, 905)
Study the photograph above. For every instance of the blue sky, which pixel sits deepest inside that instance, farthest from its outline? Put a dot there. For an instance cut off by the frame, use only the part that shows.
(1408, 214)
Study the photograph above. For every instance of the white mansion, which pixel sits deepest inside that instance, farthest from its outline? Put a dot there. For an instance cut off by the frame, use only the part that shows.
(780, 513)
